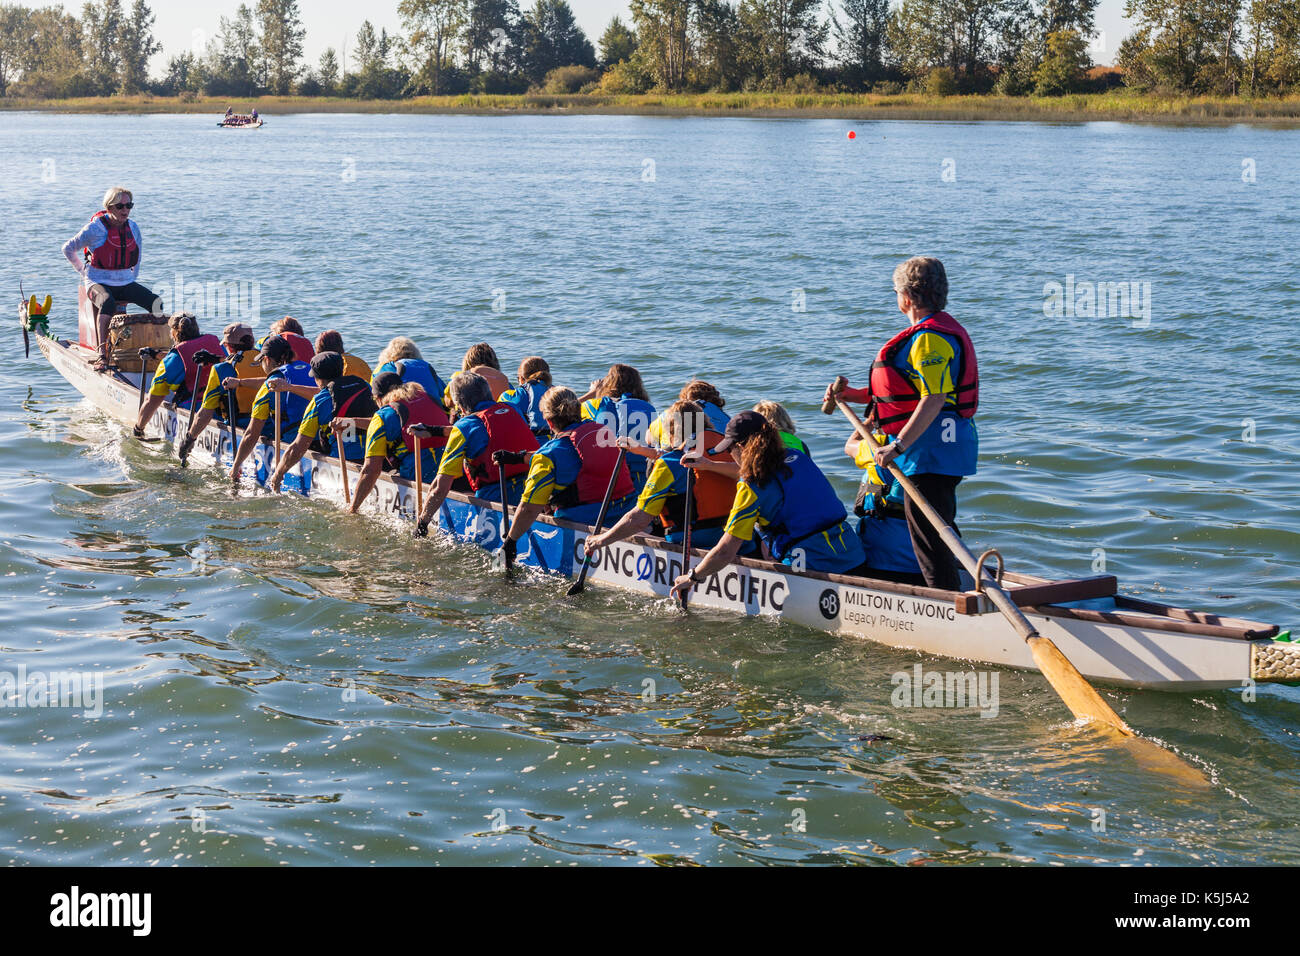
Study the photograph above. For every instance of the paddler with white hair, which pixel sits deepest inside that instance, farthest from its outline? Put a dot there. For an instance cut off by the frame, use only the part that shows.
(784, 498)
(574, 473)
(476, 446)
(924, 392)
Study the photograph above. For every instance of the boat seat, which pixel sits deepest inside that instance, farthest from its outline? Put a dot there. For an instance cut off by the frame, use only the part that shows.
(1047, 592)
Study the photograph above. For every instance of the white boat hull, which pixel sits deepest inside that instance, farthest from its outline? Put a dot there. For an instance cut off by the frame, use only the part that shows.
(1127, 652)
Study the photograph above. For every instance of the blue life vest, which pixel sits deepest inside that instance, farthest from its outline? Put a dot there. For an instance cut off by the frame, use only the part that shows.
(809, 506)
(629, 417)
(717, 417)
(527, 399)
(292, 407)
(420, 371)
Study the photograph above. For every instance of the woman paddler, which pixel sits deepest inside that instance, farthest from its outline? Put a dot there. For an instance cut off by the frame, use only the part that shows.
(924, 391)
(106, 254)
(664, 493)
(784, 498)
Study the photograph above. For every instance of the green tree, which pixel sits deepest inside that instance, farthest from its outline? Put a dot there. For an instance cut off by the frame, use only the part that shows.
(492, 39)
(552, 38)
(327, 71)
(663, 29)
(101, 24)
(1063, 68)
(717, 63)
(13, 37)
(780, 38)
(184, 74)
(233, 61)
(860, 39)
(281, 43)
(432, 27)
(51, 56)
(617, 44)
(137, 46)
(1173, 43)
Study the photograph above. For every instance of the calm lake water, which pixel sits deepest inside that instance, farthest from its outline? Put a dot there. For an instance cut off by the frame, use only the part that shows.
(283, 684)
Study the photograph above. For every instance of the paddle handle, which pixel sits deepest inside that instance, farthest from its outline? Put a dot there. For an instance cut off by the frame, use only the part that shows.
(419, 480)
(837, 386)
(343, 466)
(687, 517)
(505, 511)
(277, 429)
(600, 519)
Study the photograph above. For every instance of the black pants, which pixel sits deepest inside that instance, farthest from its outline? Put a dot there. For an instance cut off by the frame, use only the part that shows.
(107, 297)
(938, 566)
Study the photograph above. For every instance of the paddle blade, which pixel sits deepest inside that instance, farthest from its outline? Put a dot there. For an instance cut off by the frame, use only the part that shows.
(1080, 696)
(577, 587)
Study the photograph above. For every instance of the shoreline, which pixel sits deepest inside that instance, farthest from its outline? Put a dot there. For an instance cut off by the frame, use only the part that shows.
(1086, 107)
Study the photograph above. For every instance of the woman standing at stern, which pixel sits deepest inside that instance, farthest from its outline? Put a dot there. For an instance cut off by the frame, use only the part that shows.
(924, 391)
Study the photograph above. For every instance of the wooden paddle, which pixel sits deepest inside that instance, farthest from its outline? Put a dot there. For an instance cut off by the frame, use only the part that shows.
(277, 429)
(419, 481)
(343, 466)
(580, 584)
(1080, 696)
(505, 516)
(686, 530)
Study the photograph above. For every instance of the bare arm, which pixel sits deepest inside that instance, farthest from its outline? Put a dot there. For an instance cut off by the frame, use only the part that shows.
(366, 481)
(291, 456)
(523, 520)
(634, 522)
(719, 556)
(437, 496)
(246, 445)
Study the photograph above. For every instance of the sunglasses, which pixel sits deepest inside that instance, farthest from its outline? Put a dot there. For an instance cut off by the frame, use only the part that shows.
(122, 205)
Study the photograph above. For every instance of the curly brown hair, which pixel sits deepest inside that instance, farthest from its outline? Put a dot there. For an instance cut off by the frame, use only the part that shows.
(622, 380)
(762, 455)
(287, 324)
(329, 341)
(698, 390)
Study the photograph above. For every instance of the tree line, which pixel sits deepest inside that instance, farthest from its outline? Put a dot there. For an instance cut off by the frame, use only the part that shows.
(1013, 47)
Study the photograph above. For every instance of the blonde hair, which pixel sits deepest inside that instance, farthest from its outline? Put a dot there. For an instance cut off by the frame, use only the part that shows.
(406, 392)
(399, 348)
(775, 413)
(923, 280)
(559, 406)
(114, 192)
(685, 420)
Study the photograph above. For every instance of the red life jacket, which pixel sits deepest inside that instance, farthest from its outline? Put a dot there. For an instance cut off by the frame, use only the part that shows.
(119, 252)
(186, 351)
(507, 431)
(303, 350)
(422, 410)
(894, 397)
(597, 455)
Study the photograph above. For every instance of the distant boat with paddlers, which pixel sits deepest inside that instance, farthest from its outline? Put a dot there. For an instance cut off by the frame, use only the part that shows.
(233, 120)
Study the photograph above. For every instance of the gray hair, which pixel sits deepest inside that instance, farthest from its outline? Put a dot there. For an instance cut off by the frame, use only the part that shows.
(923, 280)
(469, 390)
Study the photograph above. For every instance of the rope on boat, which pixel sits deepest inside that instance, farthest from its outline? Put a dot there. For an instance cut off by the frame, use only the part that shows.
(1277, 661)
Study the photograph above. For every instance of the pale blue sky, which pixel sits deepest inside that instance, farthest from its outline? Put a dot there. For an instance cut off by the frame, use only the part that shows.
(329, 21)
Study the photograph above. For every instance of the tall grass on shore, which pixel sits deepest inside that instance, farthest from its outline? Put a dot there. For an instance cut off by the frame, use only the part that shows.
(1114, 105)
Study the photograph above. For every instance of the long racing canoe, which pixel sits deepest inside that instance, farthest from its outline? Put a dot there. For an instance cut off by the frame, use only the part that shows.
(1110, 638)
